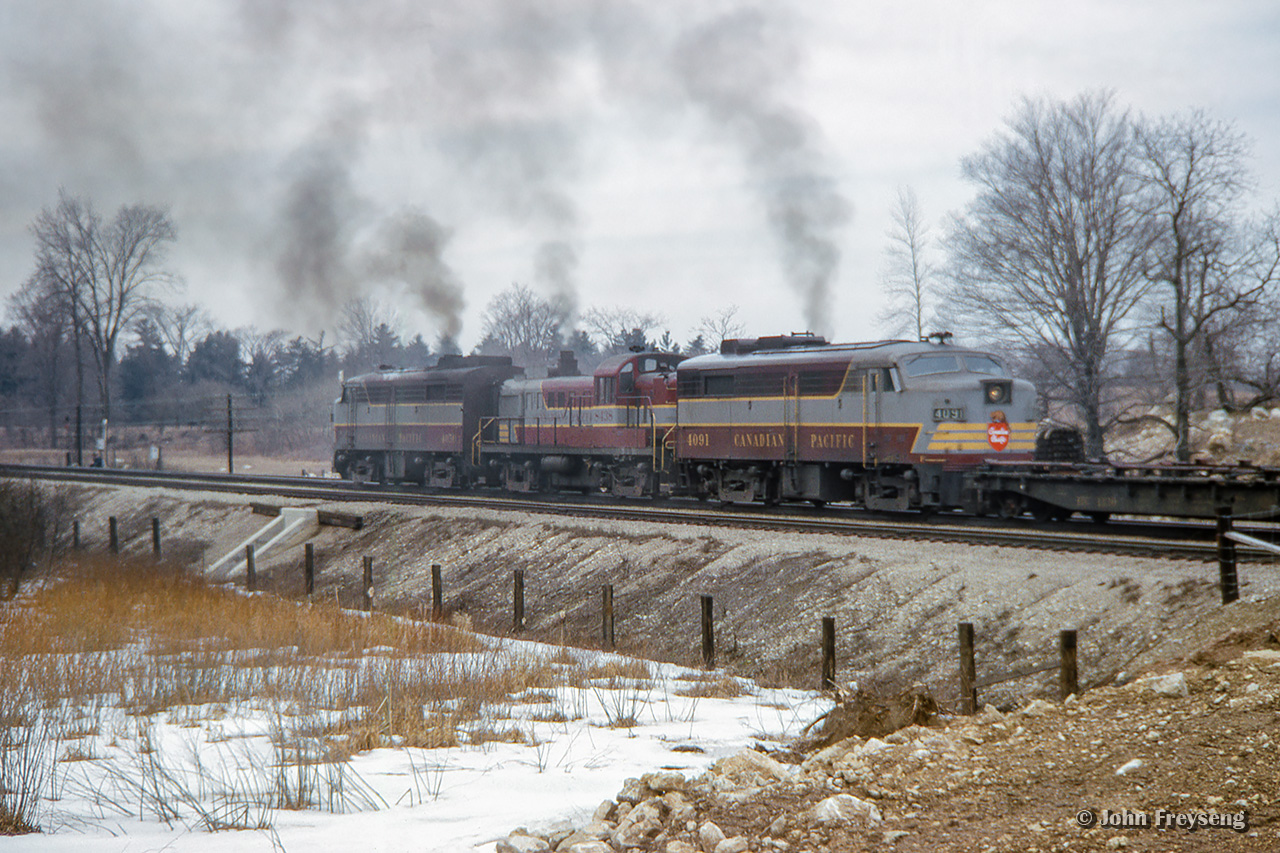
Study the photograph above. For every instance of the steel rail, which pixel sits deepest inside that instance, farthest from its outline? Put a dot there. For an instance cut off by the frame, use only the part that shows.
(1170, 542)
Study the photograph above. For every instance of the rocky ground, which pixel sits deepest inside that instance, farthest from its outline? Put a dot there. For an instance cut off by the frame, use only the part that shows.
(1185, 760)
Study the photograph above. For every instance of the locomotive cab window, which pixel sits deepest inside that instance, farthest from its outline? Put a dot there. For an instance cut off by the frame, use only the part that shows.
(927, 365)
(720, 385)
(870, 379)
(627, 379)
(984, 364)
(605, 390)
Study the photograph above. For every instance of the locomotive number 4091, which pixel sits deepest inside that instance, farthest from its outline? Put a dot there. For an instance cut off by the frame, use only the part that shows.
(948, 413)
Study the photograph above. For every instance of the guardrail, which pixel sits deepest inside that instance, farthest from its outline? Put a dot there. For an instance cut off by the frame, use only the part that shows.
(1228, 538)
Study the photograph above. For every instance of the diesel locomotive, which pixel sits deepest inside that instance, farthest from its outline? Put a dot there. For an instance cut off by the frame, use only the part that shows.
(890, 425)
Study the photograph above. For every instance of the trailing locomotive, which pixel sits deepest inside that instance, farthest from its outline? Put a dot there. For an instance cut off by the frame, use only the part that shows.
(886, 425)
(609, 431)
(417, 425)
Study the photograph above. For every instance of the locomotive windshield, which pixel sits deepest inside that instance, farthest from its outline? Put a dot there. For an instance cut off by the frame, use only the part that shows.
(983, 364)
(926, 365)
(655, 364)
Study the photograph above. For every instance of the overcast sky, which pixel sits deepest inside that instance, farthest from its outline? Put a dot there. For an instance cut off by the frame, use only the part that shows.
(671, 157)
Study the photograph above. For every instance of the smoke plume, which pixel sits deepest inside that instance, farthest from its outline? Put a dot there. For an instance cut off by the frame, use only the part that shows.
(313, 237)
(332, 248)
(409, 249)
(740, 68)
(468, 109)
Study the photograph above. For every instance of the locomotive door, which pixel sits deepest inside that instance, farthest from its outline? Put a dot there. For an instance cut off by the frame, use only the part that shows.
(389, 418)
(791, 416)
(395, 461)
(872, 385)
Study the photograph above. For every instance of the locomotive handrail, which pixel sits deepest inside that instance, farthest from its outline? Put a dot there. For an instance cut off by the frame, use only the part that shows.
(478, 441)
(660, 448)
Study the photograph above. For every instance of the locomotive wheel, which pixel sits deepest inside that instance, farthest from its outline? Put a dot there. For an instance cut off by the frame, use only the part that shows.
(365, 471)
(1010, 507)
(772, 490)
(1100, 517)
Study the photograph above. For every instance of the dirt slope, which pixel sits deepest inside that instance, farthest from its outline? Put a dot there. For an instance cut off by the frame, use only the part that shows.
(896, 604)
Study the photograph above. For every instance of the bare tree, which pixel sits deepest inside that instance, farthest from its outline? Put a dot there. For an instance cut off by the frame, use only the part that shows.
(1050, 253)
(1242, 353)
(128, 253)
(523, 325)
(41, 314)
(908, 273)
(180, 327)
(1196, 172)
(616, 329)
(65, 239)
(104, 274)
(361, 320)
(713, 329)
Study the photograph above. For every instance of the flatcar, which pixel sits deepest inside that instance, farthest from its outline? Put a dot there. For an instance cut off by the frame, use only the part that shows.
(888, 425)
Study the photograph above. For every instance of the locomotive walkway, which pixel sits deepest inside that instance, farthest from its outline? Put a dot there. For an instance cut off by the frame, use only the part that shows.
(1183, 539)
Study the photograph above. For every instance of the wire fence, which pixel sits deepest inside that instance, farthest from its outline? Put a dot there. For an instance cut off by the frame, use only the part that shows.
(276, 424)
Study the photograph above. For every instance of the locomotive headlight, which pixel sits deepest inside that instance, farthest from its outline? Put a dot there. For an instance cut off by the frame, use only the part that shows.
(998, 393)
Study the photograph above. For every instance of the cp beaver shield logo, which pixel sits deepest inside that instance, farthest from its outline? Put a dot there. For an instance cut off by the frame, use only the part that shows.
(998, 431)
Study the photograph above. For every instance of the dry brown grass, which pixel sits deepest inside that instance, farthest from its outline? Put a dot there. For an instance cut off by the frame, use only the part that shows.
(98, 635)
(101, 605)
(710, 685)
(617, 668)
(153, 638)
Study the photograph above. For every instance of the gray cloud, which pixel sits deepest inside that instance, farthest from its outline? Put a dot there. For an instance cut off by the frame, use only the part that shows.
(240, 114)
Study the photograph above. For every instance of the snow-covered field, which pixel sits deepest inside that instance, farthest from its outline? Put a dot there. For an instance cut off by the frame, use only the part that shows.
(153, 783)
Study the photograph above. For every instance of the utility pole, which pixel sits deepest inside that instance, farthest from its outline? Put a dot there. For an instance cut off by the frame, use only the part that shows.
(231, 465)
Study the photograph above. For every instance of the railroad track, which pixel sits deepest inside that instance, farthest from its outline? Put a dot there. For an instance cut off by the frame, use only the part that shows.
(1181, 540)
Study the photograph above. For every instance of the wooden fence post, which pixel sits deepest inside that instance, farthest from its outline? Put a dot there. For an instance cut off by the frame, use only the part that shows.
(309, 568)
(437, 593)
(1227, 557)
(1068, 680)
(517, 602)
(113, 535)
(155, 537)
(368, 584)
(231, 463)
(828, 653)
(606, 623)
(708, 634)
(968, 671)
(250, 571)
